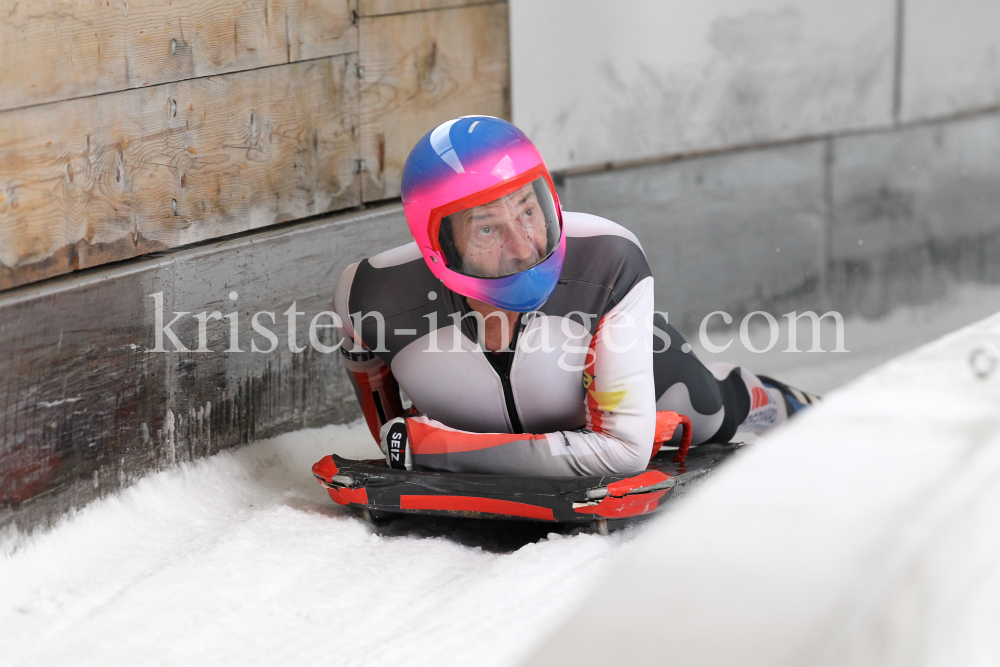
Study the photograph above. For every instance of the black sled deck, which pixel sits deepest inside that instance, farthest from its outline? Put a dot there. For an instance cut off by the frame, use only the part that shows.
(373, 486)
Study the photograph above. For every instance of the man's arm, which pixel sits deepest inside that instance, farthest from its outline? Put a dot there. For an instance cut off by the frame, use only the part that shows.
(620, 413)
(374, 385)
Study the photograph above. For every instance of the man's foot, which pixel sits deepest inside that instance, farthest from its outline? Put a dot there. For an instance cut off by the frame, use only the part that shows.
(795, 399)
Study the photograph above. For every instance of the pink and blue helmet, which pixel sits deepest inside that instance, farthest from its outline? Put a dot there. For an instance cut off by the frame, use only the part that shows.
(482, 208)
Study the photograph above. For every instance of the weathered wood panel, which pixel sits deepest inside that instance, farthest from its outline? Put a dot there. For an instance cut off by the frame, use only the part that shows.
(421, 69)
(257, 395)
(79, 396)
(86, 403)
(109, 177)
(58, 49)
(381, 7)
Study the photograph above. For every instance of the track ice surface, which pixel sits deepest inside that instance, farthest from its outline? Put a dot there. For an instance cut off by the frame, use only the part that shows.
(243, 559)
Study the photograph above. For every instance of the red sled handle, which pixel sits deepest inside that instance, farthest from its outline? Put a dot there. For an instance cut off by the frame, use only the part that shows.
(667, 422)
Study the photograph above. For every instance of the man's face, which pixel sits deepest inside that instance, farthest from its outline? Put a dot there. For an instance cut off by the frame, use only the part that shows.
(502, 237)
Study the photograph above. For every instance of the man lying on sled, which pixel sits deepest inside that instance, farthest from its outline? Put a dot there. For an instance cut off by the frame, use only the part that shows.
(524, 335)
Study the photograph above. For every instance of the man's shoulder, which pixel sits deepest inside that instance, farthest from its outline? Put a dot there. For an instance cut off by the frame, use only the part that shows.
(390, 282)
(398, 256)
(604, 261)
(602, 252)
(585, 225)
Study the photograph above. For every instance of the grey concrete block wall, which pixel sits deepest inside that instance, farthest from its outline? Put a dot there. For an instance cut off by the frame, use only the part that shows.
(898, 98)
(934, 181)
(912, 211)
(596, 82)
(860, 223)
(950, 57)
(87, 405)
(732, 232)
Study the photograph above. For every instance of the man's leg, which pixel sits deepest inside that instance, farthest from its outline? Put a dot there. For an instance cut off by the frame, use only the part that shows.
(719, 398)
(794, 399)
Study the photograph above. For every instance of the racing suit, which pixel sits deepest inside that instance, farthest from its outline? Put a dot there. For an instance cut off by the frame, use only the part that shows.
(578, 389)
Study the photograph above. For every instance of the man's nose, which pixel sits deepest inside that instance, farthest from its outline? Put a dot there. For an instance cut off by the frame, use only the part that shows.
(520, 245)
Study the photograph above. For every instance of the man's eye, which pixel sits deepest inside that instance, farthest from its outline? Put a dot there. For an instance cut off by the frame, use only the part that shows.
(485, 231)
(529, 212)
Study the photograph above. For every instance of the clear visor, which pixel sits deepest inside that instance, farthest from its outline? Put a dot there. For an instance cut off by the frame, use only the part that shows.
(503, 237)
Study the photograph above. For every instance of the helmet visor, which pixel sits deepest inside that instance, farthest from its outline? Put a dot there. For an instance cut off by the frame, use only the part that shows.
(505, 236)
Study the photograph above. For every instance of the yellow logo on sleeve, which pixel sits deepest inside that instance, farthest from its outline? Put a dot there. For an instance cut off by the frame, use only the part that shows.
(607, 401)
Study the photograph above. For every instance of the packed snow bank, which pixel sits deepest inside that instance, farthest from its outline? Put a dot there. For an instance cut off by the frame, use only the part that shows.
(864, 533)
(242, 559)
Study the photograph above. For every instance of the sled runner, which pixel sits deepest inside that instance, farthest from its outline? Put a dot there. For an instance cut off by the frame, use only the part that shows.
(376, 488)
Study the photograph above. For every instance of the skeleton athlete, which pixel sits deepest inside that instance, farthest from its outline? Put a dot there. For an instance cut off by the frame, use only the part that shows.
(524, 335)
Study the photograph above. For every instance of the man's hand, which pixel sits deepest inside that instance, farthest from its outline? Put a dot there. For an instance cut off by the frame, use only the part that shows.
(395, 444)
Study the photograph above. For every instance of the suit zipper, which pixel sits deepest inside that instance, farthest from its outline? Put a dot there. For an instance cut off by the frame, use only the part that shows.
(508, 391)
(508, 397)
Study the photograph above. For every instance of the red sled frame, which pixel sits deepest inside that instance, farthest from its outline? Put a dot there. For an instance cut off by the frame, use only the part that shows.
(375, 488)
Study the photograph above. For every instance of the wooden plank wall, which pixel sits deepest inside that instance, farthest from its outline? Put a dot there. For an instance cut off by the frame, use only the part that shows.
(134, 126)
(419, 73)
(56, 50)
(87, 403)
(108, 177)
(130, 127)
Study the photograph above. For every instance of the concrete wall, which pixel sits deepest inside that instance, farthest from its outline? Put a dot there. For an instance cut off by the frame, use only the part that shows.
(773, 153)
(861, 223)
(950, 57)
(731, 232)
(596, 81)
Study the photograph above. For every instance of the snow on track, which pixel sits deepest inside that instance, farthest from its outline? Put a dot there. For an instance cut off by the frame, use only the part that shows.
(862, 533)
(242, 559)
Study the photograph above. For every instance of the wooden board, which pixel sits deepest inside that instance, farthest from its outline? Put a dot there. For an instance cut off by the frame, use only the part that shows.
(59, 49)
(104, 178)
(87, 405)
(421, 69)
(382, 7)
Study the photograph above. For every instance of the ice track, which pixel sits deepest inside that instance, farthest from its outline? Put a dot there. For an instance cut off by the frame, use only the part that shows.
(241, 559)
(862, 534)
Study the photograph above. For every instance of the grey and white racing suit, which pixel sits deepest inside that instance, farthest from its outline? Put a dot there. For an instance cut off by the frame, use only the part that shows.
(576, 393)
